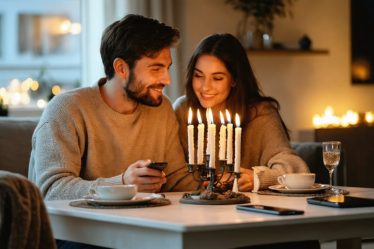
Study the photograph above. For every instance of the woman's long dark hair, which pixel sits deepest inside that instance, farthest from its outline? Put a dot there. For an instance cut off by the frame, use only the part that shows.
(246, 92)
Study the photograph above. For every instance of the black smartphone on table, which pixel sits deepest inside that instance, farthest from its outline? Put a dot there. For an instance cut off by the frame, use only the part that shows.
(341, 201)
(158, 165)
(269, 209)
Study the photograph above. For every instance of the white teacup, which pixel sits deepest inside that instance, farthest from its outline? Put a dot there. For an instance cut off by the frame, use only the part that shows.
(297, 180)
(115, 192)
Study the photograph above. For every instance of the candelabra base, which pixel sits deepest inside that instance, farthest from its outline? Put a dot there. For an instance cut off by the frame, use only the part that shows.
(213, 198)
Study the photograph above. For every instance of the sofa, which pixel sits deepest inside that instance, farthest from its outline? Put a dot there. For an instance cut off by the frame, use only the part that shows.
(15, 143)
(15, 148)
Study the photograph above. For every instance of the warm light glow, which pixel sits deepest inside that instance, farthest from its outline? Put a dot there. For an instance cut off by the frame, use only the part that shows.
(56, 90)
(369, 117)
(75, 28)
(34, 85)
(228, 116)
(350, 118)
(41, 103)
(199, 116)
(65, 26)
(329, 119)
(26, 84)
(336, 198)
(361, 69)
(189, 115)
(237, 120)
(222, 118)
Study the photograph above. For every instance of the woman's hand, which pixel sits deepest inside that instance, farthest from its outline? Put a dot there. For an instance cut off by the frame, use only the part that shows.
(146, 179)
(245, 182)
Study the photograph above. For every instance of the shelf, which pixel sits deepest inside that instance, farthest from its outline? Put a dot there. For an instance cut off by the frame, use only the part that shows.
(287, 52)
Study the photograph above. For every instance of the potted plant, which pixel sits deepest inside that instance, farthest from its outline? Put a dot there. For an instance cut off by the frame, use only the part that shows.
(258, 18)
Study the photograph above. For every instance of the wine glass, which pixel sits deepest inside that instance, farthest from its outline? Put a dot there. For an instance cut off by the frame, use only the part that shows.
(331, 157)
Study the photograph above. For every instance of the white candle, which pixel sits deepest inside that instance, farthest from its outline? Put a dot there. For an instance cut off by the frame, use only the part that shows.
(208, 131)
(200, 139)
(212, 140)
(229, 138)
(190, 137)
(222, 138)
(238, 137)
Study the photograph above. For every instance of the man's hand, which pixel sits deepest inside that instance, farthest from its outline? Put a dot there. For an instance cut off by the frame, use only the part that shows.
(245, 182)
(146, 179)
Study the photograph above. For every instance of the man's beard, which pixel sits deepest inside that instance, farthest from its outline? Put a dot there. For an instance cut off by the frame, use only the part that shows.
(138, 94)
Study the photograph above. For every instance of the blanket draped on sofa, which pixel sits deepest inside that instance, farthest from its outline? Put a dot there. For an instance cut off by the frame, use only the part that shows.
(24, 222)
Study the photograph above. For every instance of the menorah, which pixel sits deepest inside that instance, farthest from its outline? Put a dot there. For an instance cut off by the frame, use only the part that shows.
(203, 173)
(206, 171)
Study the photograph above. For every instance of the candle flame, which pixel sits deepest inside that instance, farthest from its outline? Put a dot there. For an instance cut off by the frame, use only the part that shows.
(210, 116)
(222, 118)
(228, 116)
(190, 116)
(237, 120)
(369, 117)
(199, 116)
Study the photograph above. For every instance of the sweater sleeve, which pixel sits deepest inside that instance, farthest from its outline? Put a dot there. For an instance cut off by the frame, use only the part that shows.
(269, 149)
(58, 144)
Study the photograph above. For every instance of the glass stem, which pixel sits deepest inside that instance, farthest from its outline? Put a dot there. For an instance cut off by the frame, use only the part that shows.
(330, 173)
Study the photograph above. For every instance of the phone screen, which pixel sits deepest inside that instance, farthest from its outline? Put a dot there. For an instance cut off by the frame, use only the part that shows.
(269, 209)
(157, 165)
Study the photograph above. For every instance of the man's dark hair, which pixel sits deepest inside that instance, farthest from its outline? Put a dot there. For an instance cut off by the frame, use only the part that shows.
(133, 37)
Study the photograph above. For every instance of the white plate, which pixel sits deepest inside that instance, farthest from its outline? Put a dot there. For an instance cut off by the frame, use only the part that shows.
(315, 188)
(135, 201)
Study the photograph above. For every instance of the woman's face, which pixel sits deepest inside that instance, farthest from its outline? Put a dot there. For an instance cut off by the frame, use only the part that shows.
(211, 81)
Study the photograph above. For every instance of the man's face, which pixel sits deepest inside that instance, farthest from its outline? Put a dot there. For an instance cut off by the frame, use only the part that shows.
(149, 77)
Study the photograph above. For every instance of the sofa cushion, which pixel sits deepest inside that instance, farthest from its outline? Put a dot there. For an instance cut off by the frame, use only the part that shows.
(15, 143)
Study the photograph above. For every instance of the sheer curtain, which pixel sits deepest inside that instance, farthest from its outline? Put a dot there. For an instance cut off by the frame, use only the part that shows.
(96, 15)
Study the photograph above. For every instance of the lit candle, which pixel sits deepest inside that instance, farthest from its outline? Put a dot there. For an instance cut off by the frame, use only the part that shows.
(208, 131)
(212, 140)
(191, 149)
(222, 138)
(200, 139)
(229, 138)
(238, 137)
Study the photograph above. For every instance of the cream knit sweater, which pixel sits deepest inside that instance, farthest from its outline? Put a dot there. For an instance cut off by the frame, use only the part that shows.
(80, 139)
(265, 147)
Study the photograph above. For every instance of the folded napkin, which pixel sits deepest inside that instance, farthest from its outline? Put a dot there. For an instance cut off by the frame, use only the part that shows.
(24, 222)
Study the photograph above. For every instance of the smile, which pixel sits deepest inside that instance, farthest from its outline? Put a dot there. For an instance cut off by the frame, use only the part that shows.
(157, 88)
(207, 96)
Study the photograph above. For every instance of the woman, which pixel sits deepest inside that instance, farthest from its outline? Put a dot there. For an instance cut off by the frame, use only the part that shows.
(219, 76)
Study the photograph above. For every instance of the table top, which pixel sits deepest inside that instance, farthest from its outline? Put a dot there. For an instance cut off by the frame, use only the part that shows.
(180, 217)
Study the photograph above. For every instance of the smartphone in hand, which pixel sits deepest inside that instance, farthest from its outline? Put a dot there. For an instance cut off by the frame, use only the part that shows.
(158, 165)
(268, 209)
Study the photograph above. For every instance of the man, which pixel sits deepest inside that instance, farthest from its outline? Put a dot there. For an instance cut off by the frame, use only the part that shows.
(111, 132)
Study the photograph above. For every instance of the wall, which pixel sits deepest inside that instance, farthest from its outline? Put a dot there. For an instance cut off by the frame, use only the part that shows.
(304, 85)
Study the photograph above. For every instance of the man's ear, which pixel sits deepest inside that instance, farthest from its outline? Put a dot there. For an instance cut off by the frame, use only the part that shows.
(121, 68)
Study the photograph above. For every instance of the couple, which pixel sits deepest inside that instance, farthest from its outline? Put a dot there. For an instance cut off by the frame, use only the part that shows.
(111, 132)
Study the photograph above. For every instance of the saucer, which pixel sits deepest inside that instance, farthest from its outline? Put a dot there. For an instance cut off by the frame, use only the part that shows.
(315, 188)
(134, 201)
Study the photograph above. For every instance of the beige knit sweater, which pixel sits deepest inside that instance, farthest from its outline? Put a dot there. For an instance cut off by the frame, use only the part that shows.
(80, 139)
(265, 147)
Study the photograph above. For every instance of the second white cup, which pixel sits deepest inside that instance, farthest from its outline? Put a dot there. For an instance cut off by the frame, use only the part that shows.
(297, 180)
